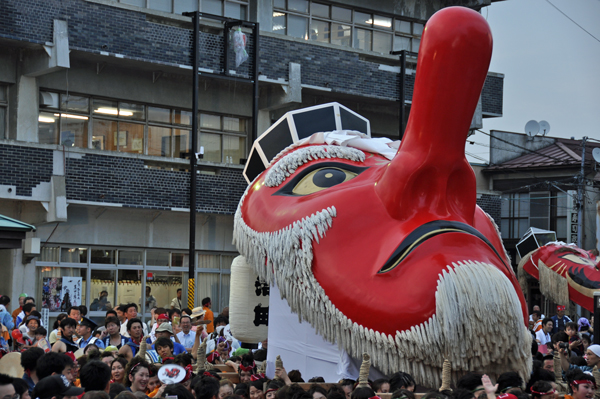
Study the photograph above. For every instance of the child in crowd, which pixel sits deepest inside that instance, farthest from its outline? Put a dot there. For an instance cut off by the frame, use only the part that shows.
(575, 343)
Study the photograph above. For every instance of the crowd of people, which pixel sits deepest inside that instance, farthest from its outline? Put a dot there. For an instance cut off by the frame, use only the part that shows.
(124, 359)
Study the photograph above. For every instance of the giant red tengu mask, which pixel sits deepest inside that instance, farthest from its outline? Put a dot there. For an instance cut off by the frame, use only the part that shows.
(395, 258)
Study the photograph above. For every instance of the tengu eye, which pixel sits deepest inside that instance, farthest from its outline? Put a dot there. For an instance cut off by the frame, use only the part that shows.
(322, 178)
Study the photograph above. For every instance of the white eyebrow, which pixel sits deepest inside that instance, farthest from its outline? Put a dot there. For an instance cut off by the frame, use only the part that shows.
(289, 163)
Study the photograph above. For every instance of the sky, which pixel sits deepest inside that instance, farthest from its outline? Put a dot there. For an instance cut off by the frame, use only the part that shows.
(551, 68)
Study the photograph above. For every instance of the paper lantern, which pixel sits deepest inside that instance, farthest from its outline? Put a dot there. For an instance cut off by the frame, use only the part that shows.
(248, 303)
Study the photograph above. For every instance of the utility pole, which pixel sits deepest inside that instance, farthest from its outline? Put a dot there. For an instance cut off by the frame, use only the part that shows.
(580, 195)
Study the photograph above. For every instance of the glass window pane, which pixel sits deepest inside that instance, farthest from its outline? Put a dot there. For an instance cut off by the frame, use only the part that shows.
(234, 149)
(319, 31)
(130, 257)
(319, 10)
(132, 111)
(177, 259)
(3, 94)
(75, 103)
(341, 34)
(62, 287)
(74, 132)
(182, 143)
(561, 228)
(102, 290)
(418, 29)
(382, 42)
(159, 141)
(73, 255)
(226, 261)
(362, 39)
(163, 288)
(298, 5)
(224, 302)
(160, 5)
(212, 146)
(401, 43)
(130, 286)
(523, 226)
(103, 256)
(234, 10)
(208, 261)
(207, 285)
(561, 204)
(523, 205)
(504, 228)
(382, 22)
(139, 3)
(49, 254)
(402, 26)
(182, 117)
(2, 123)
(298, 27)
(362, 18)
(157, 258)
(162, 115)
(181, 6)
(105, 107)
(233, 124)
(212, 6)
(341, 14)
(279, 24)
(210, 121)
(279, 3)
(130, 137)
(415, 45)
(102, 133)
(48, 128)
(505, 206)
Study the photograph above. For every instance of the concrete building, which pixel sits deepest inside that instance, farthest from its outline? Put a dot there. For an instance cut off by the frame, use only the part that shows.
(95, 124)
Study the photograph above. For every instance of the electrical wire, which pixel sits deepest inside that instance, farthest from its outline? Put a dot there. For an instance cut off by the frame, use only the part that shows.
(523, 148)
(572, 20)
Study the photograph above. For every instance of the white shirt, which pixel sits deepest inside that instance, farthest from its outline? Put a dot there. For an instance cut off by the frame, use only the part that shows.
(186, 340)
(542, 337)
(126, 334)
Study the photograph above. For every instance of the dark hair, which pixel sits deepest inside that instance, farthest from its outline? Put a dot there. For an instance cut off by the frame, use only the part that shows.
(83, 310)
(40, 331)
(111, 319)
(121, 308)
(362, 393)
(260, 355)
(335, 392)
(378, 383)
(347, 381)
(131, 322)
(163, 342)
(540, 386)
(537, 312)
(178, 289)
(4, 300)
(133, 367)
(295, 376)
(578, 374)
(128, 306)
(121, 360)
(67, 321)
(560, 336)
(59, 318)
(29, 298)
(94, 376)
(6, 379)
(546, 320)
(572, 325)
(106, 354)
(184, 359)
(77, 308)
(241, 389)
(539, 374)
(21, 386)
(469, 381)
(435, 395)
(97, 394)
(314, 388)
(401, 380)
(317, 379)
(206, 301)
(509, 380)
(30, 357)
(112, 311)
(52, 362)
(403, 394)
(188, 311)
(173, 311)
(578, 361)
(28, 307)
(586, 337)
(207, 387)
(179, 391)
(115, 389)
(220, 320)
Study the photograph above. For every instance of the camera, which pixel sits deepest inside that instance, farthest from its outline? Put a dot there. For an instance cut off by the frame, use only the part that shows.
(564, 345)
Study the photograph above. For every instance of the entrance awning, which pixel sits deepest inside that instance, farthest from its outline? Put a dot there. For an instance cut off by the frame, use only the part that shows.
(12, 231)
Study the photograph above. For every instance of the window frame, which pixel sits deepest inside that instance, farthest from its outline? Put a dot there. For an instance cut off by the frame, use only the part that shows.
(244, 3)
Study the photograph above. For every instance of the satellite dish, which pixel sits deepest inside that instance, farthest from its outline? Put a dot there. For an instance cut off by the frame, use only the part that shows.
(596, 154)
(544, 127)
(532, 128)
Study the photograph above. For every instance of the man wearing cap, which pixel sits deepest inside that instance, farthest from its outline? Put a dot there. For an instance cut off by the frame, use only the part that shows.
(165, 330)
(161, 318)
(56, 386)
(85, 330)
(560, 320)
(18, 310)
(592, 358)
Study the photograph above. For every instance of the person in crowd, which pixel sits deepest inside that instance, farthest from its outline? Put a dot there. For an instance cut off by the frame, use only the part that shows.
(560, 320)
(111, 312)
(131, 310)
(150, 300)
(21, 316)
(581, 385)
(208, 315)
(55, 387)
(137, 375)
(21, 388)
(83, 310)
(176, 302)
(66, 344)
(74, 312)
(548, 363)
(225, 388)
(401, 380)
(164, 348)
(95, 376)
(134, 331)
(186, 336)
(381, 385)
(586, 341)
(162, 317)
(84, 330)
(27, 309)
(207, 388)
(542, 390)
(543, 336)
(113, 337)
(117, 368)
(18, 310)
(107, 357)
(7, 390)
(29, 325)
(247, 369)
(154, 383)
(55, 334)
(510, 382)
(55, 363)
(29, 360)
(120, 310)
(166, 331)
(592, 358)
(101, 303)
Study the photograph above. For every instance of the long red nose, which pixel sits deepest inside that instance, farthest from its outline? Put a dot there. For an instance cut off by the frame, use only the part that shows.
(430, 175)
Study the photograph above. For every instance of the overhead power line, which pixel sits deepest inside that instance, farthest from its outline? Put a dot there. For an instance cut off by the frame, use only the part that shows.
(572, 20)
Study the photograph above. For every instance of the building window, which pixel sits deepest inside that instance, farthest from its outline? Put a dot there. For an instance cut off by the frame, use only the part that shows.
(113, 125)
(236, 9)
(514, 215)
(3, 111)
(326, 23)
